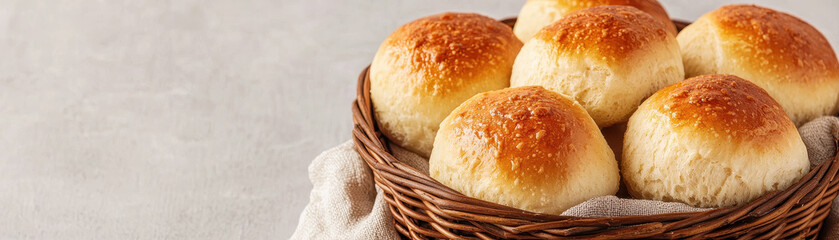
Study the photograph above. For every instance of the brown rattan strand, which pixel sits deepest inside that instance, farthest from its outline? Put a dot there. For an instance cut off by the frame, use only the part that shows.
(423, 208)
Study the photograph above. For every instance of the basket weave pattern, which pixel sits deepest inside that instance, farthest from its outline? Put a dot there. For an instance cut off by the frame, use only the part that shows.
(423, 208)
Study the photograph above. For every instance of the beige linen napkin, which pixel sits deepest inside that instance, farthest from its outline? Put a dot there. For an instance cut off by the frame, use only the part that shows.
(819, 136)
(346, 204)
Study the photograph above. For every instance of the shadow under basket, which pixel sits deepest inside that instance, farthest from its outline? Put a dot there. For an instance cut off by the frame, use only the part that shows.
(423, 208)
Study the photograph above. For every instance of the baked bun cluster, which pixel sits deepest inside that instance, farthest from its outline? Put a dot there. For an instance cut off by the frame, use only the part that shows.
(440, 86)
(427, 67)
(711, 141)
(536, 14)
(784, 55)
(525, 147)
(607, 58)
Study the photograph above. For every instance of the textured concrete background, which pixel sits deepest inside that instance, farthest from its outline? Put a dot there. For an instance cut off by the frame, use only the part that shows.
(194, 119)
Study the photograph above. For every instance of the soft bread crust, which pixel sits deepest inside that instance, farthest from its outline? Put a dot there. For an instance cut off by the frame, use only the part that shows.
(427, 67)
(711, 141)
(779, 52)
(528, 148)
(536, 14)
(608, 58)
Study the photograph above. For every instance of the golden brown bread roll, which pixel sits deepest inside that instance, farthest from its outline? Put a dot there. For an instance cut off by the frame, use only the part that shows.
(608, 58)
(779, 52)
(528, 148)
(536, 14)
(427, 67)
(711, 141)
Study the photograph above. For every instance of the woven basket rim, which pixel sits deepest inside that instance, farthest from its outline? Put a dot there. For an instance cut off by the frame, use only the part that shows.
(423, 208)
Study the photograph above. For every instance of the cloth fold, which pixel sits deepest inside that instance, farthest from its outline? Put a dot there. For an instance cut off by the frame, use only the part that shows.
(346, 204)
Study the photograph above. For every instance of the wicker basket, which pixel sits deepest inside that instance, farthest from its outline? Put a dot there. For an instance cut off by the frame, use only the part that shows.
(423, 208)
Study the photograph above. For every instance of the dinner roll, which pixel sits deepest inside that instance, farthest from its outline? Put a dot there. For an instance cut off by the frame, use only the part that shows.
(711, 141)
(428, 67)
(779, 52)
(527, 148)
(608, 58)
(536, 14)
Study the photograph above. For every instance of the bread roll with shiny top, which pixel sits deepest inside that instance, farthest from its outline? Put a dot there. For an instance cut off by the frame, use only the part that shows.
(528, 148)
(711, 141)
(536, 14)
(608, 58)
(779, 52)
(428, 67)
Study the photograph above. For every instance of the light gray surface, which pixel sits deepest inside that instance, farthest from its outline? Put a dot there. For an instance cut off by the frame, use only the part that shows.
(194, 119)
